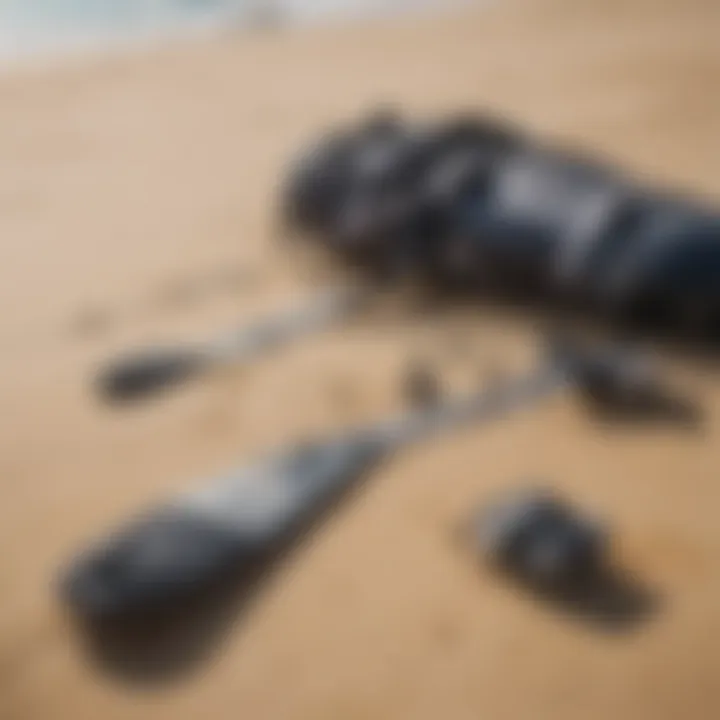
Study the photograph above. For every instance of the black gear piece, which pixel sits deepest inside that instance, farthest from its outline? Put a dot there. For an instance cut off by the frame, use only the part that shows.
(472, 202)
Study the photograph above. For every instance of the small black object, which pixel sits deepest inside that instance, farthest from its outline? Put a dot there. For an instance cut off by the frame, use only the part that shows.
(618, 382)
(560, 558)
(135, 376)
(607, 374)
(540, 540)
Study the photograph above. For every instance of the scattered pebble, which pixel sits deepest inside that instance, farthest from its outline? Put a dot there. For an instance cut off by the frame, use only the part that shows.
(421, 385)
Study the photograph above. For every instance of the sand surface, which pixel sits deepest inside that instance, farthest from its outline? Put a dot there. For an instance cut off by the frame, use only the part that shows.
(136, 205)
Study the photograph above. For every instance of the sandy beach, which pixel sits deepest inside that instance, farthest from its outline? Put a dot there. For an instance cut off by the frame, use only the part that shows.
(136, 205)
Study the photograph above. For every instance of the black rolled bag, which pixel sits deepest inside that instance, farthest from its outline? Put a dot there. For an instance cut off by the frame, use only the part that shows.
(473, 203)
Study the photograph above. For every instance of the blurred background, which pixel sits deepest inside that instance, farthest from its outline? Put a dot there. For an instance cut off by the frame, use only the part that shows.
(52, 26)
(141, 147)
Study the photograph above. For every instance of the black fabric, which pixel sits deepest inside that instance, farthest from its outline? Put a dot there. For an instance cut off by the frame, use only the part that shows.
(471, 201)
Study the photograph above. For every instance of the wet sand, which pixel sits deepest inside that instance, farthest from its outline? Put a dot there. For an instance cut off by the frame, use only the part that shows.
(136, 205)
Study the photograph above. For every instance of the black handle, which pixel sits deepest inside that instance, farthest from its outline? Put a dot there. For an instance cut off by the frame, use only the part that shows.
(147, 373)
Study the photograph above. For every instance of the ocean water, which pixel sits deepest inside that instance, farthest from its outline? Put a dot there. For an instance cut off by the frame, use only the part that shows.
(30, 28)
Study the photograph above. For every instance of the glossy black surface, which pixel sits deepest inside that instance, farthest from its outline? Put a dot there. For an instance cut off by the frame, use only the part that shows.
(226, 528)
(473, 203)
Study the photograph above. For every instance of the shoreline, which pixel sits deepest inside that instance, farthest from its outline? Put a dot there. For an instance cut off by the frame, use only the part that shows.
(72, 51)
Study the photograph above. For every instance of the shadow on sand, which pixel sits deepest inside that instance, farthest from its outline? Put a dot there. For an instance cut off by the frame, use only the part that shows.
(614, 602)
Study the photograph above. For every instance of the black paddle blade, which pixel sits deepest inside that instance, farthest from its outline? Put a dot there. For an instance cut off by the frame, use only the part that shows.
(148, 566)
(137, 376)
(230, 528)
